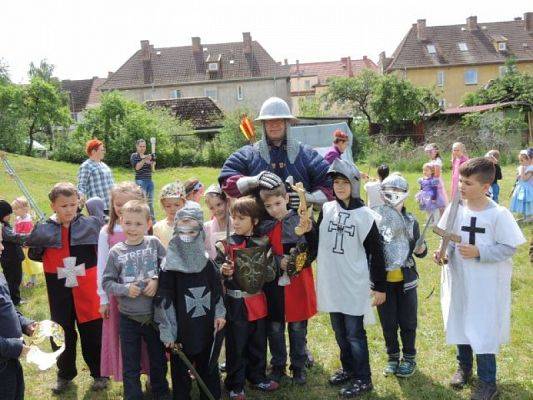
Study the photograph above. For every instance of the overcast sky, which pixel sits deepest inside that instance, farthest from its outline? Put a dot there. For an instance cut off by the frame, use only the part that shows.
(89, 38)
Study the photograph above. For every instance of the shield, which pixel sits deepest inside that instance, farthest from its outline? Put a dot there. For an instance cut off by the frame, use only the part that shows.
(297, 259)
(254, 266)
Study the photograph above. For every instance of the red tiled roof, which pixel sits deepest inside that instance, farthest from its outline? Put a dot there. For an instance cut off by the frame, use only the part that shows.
(82, 92)
(413, 53)
(328, 69)
(179, 65)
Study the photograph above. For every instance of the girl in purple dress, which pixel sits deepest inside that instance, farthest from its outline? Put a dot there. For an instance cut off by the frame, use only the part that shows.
(427, 197)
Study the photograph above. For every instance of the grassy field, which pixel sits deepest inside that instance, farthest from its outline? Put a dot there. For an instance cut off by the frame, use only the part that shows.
(436, 360)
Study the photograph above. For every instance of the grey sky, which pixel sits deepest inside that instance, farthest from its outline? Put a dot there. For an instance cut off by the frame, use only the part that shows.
(89, 38)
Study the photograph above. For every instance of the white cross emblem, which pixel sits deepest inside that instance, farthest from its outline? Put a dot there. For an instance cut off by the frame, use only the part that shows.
(199, 302)
(70, 272)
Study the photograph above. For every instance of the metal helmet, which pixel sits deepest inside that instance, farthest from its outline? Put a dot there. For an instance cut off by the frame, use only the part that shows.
(274, 108)
(394, 189)
(349, 171)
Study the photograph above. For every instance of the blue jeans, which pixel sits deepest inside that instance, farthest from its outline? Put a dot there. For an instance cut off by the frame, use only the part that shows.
(131, 333)
(486, 363)
(147, 185)
(351, 339)
(495, 191)
(278, 349)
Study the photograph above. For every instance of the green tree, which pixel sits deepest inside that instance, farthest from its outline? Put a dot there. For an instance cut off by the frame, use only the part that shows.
(45, 71)
(12, 122)
(4, 72)
(43, 105)
(355, 93)
(310, 107)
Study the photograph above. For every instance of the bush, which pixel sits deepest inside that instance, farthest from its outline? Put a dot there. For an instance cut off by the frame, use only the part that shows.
(398, 156)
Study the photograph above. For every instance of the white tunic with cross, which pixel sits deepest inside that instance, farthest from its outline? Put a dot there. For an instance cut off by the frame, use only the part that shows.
(475, 295)
(343, 279)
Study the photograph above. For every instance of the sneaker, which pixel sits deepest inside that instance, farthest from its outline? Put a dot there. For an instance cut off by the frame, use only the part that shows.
(340, 377)
(267, 386)
(485, 391)
(99, 384)
(460, 378)
(237, 396)
(61, 385)
(406, 368)
(391, 368)
(357, 388)
(299, 376)
(277, 374)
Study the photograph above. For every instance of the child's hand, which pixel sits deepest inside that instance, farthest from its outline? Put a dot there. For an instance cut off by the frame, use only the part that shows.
(133, 290)
(437, 256)
(219, 324)
(420, 249)
(283, 263)
(30, 329)
(468, 251)
(227, 268)
(104, 311)
(25, 351)
(151, 287)
(379, 298)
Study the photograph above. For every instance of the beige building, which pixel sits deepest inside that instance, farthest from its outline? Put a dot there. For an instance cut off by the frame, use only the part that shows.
(309, 80)
(458, 59)
(233, 75)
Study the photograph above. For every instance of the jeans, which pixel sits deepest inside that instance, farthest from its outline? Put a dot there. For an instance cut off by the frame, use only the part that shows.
(399, 311)
(11, 380)
(486, 363)
(131, 333)
(13, 274)
(297, 342)
(351, 339)
(147, 185)
(495, 192)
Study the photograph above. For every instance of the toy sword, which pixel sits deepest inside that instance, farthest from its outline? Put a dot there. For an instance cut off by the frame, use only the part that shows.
(178, 350)
(422, 237)
(447, 234)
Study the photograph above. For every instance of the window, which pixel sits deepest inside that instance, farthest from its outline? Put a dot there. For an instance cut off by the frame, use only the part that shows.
(462, 46)
(211, 93)
(175, 94)
(502, 70)
(471, 77)
(307, 84)
(240, 93)
(431, 49)
(502, 46)
(440, 78)
(212, 66)
(442, 103)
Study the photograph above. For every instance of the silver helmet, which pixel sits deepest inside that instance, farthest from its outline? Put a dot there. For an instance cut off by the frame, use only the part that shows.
(275, 108)
(350, 172)
(394, 189)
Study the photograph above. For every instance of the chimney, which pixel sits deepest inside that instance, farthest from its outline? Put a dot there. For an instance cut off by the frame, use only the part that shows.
(285, 62)
(196, 45)
(421, 33)
(471, 23)
(518, 18)
(297, 67)
(247, 42)
(347, 63)
(383, 62)
(528, 22)
(109, 74)
(145, 50)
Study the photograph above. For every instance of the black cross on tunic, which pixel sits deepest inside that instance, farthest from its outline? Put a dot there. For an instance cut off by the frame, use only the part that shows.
(472, 230)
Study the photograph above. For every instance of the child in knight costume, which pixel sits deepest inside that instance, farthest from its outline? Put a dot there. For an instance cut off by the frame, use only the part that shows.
(401, 237)
(247, 265)
(346, 278)
(66, 244)
(476, 282)
(189, 307)
(291, 297)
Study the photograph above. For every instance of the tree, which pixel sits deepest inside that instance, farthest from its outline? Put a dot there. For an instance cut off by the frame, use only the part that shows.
(311, 107)
(45, 71)
(511, 86)
(396, 100)
(44, 106)
(12, 122)
(355, 93)
(4, 72)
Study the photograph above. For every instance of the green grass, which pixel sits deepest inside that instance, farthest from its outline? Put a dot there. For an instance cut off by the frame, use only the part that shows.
(436, 360)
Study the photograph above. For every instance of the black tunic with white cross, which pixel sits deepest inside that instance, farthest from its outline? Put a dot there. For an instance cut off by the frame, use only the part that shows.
(194, 296)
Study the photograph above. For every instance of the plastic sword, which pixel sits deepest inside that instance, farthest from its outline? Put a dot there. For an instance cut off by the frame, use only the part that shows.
(447, 235)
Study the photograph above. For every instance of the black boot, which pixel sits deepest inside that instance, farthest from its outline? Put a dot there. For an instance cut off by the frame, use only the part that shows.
(460, 378)
(61, 385)
(277, 373)
(485, 391)
(299, 376)
(340, 377)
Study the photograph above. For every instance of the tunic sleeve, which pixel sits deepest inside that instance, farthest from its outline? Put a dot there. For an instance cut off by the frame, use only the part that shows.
(374, 249)
(164, 310)
(506, 230)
